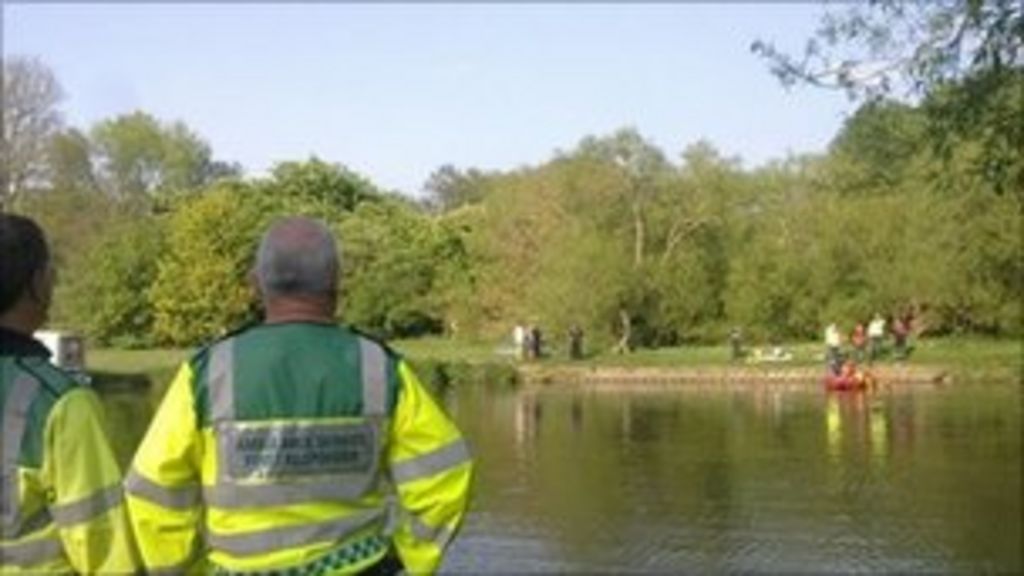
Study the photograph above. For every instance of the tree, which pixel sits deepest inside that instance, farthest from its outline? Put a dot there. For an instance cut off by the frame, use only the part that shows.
(316, 187)
(30, 117)
(448, 188)
(641, 163)
(70, 162)
(107, 293)
(201, 287)
(964, 57)
(390, 260)
(871, 48)
(138, 158)
(879, 149)
(692, 234)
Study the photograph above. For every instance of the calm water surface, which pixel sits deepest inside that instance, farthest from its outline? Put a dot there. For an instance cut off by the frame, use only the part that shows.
(691, 479)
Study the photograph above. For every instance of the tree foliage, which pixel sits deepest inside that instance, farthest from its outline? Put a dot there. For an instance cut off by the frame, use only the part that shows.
(200, 289)
(901, 214)
(963, 58)
(390, 261)
(871, 48)
(138, 157)
(108, 292)
(30, 97)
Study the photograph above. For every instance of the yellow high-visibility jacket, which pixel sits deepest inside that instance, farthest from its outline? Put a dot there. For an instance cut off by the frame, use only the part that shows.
(298, 448)
(60, 493)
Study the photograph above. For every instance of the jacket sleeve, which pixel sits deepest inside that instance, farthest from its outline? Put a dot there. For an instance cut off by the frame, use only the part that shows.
(87, 499)
(432, 471)
(162, 486)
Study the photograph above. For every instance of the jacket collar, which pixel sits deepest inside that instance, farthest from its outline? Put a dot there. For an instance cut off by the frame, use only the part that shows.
(17, 344)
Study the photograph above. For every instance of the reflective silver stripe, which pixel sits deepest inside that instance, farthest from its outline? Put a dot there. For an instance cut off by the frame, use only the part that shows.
(267, 541)
(431, 463)
(16, 407)
(231, 495)
(31, 552)
(87, 508)
(294, 450)
(394, 515)
(37, 521)
(440, 535)
(178, 498)
(373, 365)
(220, 376)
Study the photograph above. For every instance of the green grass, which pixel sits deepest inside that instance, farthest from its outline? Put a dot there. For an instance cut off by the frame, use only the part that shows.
(974, 359)
(443, 349)
(978, 356)
(157, 362)
(969, 358)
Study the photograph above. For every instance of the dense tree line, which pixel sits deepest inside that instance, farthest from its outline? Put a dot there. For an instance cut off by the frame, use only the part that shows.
(913, 208)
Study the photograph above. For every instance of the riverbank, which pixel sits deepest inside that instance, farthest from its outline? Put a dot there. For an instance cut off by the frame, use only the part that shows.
(442, 362)
(892, 375)
(132, 382)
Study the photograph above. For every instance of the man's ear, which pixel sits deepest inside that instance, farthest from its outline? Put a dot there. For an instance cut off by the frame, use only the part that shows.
(40, 288)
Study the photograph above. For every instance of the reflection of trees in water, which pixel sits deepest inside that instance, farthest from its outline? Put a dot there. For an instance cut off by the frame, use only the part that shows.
(526, 411)
(703, 475)
(576, 414)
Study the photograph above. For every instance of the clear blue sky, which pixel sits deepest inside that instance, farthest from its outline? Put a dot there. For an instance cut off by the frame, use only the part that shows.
(394, 91)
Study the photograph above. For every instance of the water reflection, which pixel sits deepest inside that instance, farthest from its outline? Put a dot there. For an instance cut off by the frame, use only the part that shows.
(758, 479)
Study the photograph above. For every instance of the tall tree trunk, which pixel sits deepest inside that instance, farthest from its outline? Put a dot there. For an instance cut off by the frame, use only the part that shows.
(638, 235)
(624, 345)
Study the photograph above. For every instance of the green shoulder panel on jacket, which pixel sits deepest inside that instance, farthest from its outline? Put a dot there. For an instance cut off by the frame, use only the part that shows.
(291, 371)
(52, 383)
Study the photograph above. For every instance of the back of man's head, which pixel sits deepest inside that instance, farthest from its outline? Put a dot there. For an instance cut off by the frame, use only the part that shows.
(23, 255)
(297, 257)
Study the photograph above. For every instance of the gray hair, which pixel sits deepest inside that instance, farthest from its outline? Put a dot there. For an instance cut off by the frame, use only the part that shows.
(297, 256)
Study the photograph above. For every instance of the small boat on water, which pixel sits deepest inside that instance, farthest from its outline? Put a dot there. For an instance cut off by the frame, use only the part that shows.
(850, 378)
(844, 382)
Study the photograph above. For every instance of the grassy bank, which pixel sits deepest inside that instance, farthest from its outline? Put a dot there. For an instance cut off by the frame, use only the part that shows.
(972, 359)
(447, 361)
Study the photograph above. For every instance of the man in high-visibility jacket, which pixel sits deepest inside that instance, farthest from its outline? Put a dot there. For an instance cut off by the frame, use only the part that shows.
(297, 445)
(60, 487)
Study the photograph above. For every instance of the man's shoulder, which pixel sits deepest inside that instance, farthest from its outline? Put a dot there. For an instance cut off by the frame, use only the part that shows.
(245, 331)
(50, 378)
(388, 350)
(202, 353)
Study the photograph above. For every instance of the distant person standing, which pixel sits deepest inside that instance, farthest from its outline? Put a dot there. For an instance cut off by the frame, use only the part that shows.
(900, 333)
(575, 342)
(519, 339)
(859, 341)
(876, 336)
(736, 343)
(536, 343)
(833, 347)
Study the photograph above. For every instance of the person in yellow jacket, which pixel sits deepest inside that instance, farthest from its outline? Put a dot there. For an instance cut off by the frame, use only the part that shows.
(61, 508)
(297, 446)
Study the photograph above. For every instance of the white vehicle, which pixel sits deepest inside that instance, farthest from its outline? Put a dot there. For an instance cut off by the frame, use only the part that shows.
(67, 350)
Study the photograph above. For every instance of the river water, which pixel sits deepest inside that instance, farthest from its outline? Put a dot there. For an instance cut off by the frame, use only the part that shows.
(694, 479)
